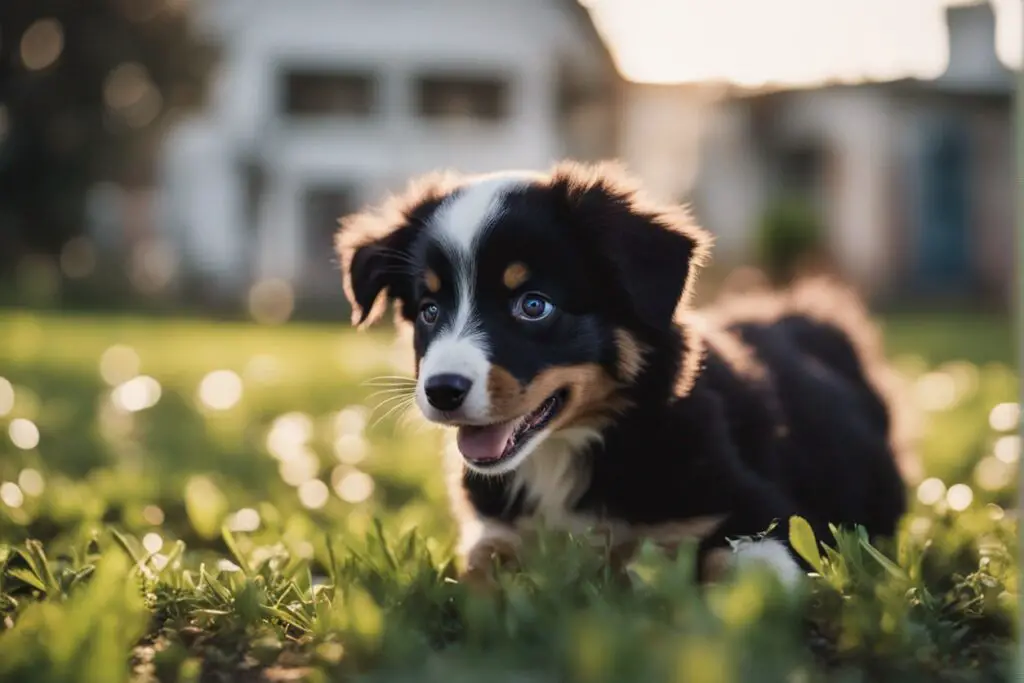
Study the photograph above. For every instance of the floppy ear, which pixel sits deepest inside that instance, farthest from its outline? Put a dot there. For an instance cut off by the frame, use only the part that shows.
(375, 249)
(651, 253)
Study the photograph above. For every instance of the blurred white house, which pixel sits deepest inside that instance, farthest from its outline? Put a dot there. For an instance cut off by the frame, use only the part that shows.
(320, 106)
(913, 178)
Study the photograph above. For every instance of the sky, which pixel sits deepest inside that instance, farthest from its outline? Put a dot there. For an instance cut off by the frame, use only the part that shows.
(793, 42)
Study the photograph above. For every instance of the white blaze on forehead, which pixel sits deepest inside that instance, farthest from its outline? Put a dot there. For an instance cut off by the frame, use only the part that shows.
(462, 218)
(461, 348)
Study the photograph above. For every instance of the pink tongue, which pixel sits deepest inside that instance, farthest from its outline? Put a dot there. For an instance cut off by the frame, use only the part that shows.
(482, 444)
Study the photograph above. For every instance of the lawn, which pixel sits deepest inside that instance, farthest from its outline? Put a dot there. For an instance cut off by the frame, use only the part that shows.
(184, 500)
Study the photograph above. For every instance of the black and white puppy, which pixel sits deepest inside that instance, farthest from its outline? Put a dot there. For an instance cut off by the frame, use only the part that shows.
(552, 330)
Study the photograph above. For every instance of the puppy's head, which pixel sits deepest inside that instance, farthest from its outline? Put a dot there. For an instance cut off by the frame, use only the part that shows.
(531, 297)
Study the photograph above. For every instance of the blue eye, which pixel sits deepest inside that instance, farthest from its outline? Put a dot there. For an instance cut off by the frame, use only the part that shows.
(532, 307)
(429, 312)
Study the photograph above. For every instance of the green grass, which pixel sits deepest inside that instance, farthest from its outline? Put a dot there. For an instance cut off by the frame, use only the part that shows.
(122, 556)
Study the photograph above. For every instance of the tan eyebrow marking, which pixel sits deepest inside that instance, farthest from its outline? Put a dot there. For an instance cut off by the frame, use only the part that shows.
(432, 281)
(515, 275)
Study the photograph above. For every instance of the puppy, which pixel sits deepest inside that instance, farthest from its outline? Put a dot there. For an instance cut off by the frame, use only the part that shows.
(552, 331)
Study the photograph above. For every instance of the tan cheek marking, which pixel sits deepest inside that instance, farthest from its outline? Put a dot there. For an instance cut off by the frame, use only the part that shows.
(631, 355)
(515, 275)
(432, 281)
(592, 395)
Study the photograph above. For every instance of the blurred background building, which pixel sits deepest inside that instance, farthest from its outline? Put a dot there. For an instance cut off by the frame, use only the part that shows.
(876, 137)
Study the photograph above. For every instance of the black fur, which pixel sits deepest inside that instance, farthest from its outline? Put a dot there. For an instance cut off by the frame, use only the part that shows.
(756, 411)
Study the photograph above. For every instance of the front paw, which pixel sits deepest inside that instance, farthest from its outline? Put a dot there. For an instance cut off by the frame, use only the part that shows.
(483, 561)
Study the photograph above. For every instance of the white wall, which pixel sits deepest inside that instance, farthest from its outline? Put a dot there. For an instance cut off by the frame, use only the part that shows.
(396, 38)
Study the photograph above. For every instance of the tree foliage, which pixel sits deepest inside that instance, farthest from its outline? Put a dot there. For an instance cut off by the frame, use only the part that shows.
(86, 89)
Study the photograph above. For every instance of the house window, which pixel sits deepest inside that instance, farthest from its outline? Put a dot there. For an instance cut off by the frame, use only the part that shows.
(312, 93)
(324, 205)
(484, 98)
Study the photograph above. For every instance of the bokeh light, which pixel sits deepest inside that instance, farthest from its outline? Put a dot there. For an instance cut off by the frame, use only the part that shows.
(78, 258)
(931, 490)
(6, 396)
(299, 466)
(153, 515)
(936, 391)
(24, 433)
(351, 420)
(271, 302)
(152, 542)
(11, 495)
(220, 390)
(313, 494)
(959, 497)
(351, 449)
(245, 520)
(354, 486)
(1004, 417)
(289, 434)
(138, 393)
(31, 482)
(42, 44)
(993, 474)
(118, 364)
(1007, 448)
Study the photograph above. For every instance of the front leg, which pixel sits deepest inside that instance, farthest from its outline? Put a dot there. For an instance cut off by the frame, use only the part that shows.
(484, 543)
(741, 541)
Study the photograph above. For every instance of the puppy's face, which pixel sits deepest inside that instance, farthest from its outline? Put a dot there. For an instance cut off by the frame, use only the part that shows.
(528, 295)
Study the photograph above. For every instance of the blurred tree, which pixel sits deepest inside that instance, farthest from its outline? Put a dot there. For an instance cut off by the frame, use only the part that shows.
(790, 239)
(86, 89)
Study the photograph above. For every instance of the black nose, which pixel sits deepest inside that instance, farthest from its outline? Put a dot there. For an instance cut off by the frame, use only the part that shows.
(447, 392)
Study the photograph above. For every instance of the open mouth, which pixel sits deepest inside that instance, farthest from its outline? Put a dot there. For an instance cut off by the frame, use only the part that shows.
(490, 445)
